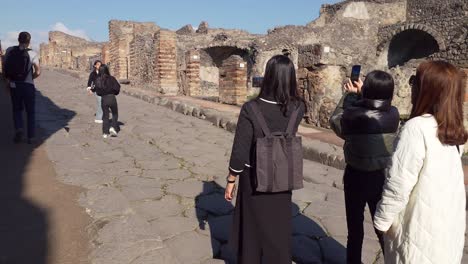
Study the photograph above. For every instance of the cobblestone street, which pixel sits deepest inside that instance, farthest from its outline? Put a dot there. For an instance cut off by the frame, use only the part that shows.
(155, 193)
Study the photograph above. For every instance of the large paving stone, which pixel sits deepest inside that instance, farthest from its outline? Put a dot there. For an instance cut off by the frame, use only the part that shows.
(169, 227)
(321, 174)
(177, 174)
(336, 226)
(190, 188)
(138, 193)
(335, 197)
(124, 253)
(159, 256)
(325, 209)
(130, 228)
(105, 202)
(193, 248)
(163, 163)
(308, 196)
(152, 210)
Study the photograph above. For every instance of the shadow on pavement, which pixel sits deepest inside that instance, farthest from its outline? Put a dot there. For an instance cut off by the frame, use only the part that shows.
(24, 225)
(311, 244)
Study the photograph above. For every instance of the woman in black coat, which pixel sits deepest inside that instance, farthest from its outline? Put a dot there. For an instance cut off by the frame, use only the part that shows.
(108, 87)
(262, 221)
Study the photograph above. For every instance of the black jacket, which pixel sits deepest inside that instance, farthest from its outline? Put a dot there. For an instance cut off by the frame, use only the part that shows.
(106, 85)
(369, 129)
(92, 79)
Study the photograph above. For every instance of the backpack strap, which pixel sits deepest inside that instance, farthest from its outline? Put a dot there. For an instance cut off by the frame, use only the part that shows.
(261, 121)
(292, 121)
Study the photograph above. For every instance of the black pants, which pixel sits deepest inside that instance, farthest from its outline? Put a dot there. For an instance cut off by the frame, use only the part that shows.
(360, 187)
(109, 103)
(24, 97)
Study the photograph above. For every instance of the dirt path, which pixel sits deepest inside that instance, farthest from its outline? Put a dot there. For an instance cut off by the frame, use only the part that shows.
(41, 222)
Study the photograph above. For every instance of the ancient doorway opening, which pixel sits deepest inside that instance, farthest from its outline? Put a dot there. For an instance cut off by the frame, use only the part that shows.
(411, 44)
(211, 61)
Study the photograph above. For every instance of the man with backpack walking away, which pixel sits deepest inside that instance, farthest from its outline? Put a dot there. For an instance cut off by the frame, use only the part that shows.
(21, 67)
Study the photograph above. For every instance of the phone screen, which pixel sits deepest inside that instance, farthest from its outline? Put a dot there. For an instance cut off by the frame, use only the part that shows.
(355, 72)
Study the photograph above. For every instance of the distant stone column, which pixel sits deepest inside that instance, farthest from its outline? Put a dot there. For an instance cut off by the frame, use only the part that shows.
(192, 59)
(233, 81)
(105, 53)
(165, 67)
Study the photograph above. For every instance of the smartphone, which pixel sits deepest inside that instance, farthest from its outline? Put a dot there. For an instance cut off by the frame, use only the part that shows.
(355, 72)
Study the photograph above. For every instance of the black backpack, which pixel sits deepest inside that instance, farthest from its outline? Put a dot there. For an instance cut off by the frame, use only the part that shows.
(279, 163)
(17, 64)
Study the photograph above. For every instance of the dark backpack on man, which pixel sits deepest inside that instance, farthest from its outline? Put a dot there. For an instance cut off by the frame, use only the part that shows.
(279, 163)
(17, 64)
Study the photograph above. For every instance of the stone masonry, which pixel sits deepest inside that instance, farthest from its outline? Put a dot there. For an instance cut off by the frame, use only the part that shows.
(390, 35)
(232, 81)
(121, 34)
(141, 52)
(165, 70)
(68, 52)
(193, 73)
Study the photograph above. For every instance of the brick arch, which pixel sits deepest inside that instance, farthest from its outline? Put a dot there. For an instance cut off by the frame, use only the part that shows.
(387, 40)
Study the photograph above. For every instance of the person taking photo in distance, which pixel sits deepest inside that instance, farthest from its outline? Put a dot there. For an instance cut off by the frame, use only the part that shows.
(108, 87)
(367, 121)
(422, 210)
(262, 219)
(92, 82)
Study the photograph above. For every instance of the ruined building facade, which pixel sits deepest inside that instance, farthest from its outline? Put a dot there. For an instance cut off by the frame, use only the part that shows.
(222, 65)
(69, 52)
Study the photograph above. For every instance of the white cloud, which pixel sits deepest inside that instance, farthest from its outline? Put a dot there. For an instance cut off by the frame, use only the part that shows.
(11, 38)
(59, 26)
(39, 36)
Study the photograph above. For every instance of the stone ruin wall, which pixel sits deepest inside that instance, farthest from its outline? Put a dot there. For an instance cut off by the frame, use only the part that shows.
(350, 32)
(69, 52)
(121, 34)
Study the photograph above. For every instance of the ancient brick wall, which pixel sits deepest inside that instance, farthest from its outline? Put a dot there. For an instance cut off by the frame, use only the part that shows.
(192, 73)
(68, 52)
(105, 54)
(141, 59)
(165, 62)
(121, 33)
(444, 20)
(233, 81)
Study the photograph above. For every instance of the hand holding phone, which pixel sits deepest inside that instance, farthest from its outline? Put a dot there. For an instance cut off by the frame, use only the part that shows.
(353, 87)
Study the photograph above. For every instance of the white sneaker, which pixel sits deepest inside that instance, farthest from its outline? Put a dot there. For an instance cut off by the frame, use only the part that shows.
(113, 132)
(98, 121)
(105, 135)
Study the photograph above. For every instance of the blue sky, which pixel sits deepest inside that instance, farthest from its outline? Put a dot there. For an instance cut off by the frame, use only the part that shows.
(89, 19)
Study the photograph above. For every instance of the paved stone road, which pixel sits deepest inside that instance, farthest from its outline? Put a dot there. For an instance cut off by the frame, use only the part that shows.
(156, 191)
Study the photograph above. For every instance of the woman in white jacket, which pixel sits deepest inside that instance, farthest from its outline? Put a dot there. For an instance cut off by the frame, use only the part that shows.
(422, 210)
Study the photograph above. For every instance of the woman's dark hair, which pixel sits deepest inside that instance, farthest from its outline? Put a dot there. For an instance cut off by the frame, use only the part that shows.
(439, 89)
(96, 62)
(104, 70)
(378, 85)
(279, 82)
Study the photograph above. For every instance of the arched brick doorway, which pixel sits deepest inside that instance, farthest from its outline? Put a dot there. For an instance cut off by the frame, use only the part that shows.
(411, 44)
